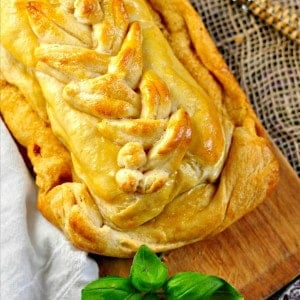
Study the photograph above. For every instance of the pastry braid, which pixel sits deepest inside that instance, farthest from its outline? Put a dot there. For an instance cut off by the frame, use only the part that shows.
(136, 129)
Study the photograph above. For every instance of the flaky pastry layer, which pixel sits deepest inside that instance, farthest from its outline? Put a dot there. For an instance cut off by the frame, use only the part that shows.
(137, 131)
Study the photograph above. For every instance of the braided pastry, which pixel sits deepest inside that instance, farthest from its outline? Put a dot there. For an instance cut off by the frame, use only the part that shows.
(136, 129)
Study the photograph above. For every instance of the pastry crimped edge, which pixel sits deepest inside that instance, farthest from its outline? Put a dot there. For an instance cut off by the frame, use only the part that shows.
(249, 174)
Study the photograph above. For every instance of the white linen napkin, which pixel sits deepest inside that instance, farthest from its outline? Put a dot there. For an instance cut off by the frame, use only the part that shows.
(37, 262)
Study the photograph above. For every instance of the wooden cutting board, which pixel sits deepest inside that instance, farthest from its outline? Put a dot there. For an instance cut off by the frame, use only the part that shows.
(259, 254)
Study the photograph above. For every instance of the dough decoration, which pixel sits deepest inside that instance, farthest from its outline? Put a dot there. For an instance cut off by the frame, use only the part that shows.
(145, 147)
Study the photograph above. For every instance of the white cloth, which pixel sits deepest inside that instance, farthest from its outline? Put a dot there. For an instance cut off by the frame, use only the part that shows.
(37, 262)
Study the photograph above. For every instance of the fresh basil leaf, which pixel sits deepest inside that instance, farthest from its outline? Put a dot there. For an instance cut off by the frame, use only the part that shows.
(111, 281)
(111, 294)
(194, 286)
(110, 287)
(226, 292)
(148, 272)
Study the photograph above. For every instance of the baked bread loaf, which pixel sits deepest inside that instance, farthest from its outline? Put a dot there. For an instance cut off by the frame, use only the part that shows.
(136, 129)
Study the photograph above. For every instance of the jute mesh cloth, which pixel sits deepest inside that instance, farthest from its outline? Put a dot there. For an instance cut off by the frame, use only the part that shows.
(266, 64)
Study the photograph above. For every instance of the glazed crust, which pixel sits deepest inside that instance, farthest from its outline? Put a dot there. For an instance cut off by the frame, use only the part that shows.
(137, 131)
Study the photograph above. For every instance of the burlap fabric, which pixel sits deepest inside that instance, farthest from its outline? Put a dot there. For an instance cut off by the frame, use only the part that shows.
(266, 64)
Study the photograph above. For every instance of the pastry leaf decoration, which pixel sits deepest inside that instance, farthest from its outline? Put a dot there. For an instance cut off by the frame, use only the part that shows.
(149, 280)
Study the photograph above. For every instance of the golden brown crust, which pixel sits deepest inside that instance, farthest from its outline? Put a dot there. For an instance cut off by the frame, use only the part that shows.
(147, 143)
(51, 161)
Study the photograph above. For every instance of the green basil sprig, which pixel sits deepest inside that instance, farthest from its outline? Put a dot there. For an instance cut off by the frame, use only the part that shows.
(148, 280)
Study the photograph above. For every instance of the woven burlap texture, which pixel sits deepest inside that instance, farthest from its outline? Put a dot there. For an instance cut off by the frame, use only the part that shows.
(266, 64)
